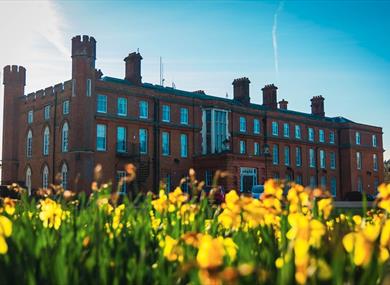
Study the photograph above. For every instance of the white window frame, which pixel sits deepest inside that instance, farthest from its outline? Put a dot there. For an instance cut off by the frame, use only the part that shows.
(287, 160)
(64, 176)
(184, 116)
(298, 156)
(121, 143)
(29, 144)
(322, 159)
(103, 131)
(45, 177)
(46, 141)
(46, 112)
(331, 137)
(143, 109)
(165, 144)
(312, 158)
(101, 105)
(183, 145)
(30, 117)
(89, 87)
(358, 160)
(65, 137)
(321, 135)
(275, 128)
(166, 113)
(121, 175)
(256, 126)
(357, 138)
(333, 186)
(286, 130)
(275, 154)
(375, 162)
(374, 141)
(28, 180)
(122, 104)
(332, 160)
(219, 130)
(65, 107)
(256, 148)
(242, 124)
(298, 133)
(242, 147)
(143, 139)
(311, 134)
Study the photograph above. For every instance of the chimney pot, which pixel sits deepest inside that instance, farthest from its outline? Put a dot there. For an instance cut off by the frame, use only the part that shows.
(133, 68)
(283, 104)
(270, 96)
(317, 106)
(241, 90)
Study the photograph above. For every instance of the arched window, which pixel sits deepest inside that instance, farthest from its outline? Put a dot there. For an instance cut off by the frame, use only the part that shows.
(46, 139)
(45, 177)
(64, 176)
(28, 180)
(65, 134)
(29, 144)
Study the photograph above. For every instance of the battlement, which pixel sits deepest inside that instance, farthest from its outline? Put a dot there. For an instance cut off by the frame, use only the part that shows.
(84, 46)
(14, 75)
(49, 91)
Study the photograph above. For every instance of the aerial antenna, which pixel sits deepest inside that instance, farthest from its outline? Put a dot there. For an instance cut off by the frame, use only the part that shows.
(173, 85)
(161, 72)
(227, 95)
(137, 50)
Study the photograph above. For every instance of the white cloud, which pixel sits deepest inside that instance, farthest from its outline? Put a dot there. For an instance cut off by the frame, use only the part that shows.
(33, 36)
(274, 37)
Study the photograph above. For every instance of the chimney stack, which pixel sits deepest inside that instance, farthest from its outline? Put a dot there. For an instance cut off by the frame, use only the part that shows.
(283, 104)
(317, 106)
(133, 68)
(241, 90)
(270, 96)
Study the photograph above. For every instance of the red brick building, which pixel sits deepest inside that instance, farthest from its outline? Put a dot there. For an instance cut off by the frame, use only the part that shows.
(58, 134)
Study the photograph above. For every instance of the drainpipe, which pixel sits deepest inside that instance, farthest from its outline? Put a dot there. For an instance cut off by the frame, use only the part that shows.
(156, 150)
(54, 137)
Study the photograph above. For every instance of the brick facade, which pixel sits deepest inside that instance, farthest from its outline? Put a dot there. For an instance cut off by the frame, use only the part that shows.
(216, 137)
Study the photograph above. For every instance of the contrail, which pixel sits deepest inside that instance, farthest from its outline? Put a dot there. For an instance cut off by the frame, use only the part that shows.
(274, 39)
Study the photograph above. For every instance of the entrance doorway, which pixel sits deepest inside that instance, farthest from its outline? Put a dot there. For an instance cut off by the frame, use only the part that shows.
(248, 178)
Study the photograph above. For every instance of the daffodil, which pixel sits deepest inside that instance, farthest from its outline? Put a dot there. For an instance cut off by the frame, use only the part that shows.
(5, 231)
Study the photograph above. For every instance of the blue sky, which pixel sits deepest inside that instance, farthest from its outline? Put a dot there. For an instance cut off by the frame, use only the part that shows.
(338, 49)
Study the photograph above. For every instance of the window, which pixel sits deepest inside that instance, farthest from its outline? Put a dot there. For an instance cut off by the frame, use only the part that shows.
(168, 182)
(323, 181)
(333, 186)
(312, 158)
(312, 181)
(275, 154)
(298, 179)
(287, 155)
(65, 137)
(166, 113)
(288, 177)
(322, 159)
(64, 176)
(121, 180)
(184, 116)
(256, 148)
(357, 138)
(100, 137)
(311, 134)
(143, 109)
(45, 177)
(166, 149)
(286, 130)
(89, 87)
(375, 162)
(29, 144)
(143, 141)
(275, 129)
(298, 134)
(65, 107)
(331, 137)
(121, 139)
(214, 131)
(28, 180)
(374, 141)
(46, 111)
(332, 160)
(102, 103)
(208, 177)
(298, 156)
(242, 124)
(30, 116)
(183, 145)
(122, 106)
(322, 136)
(359, 184)
(256, 126)
(358, 160)
(46, 140)
(242, 147)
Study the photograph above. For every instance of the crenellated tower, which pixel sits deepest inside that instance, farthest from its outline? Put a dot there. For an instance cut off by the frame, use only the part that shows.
(83, 101)
(14, 82)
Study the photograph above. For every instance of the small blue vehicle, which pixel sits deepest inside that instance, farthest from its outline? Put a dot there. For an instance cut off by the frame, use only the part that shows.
(257, 190)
